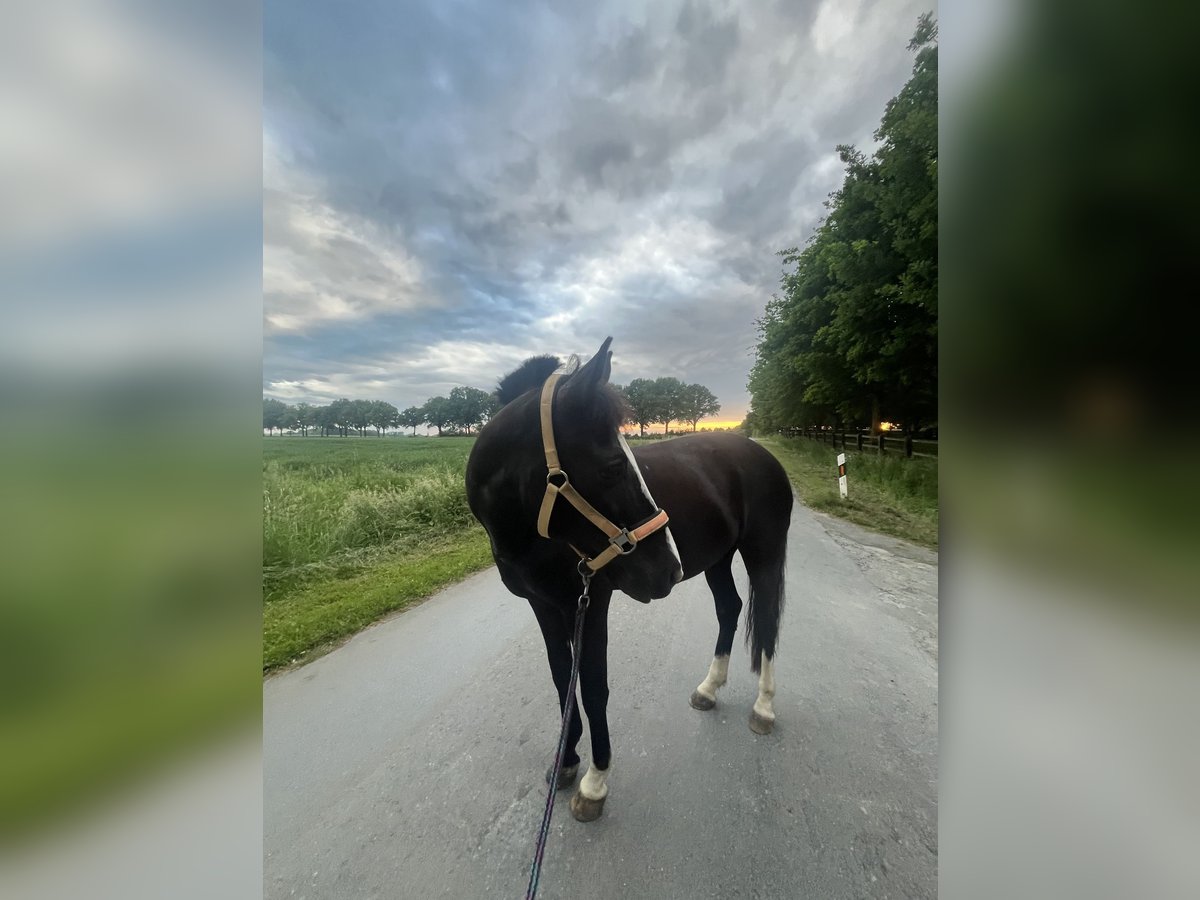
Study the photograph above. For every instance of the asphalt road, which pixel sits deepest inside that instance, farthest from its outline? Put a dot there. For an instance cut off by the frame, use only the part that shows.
(409, 762)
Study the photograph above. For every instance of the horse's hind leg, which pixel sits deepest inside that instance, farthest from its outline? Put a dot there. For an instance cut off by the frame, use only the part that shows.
(762, 716)
(765, 565)
(729, 607)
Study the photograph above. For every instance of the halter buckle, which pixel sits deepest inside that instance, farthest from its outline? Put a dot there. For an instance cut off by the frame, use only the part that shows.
(625, 542)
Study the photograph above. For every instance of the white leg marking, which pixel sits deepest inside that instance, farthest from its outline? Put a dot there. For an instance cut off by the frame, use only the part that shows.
(764, 705)
(646, 490)
(718, 674)
(595, 783)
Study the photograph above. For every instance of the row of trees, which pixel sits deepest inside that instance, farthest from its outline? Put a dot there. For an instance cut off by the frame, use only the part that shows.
(852, 336)
(666, 400)
(661, 401)
(464, 409)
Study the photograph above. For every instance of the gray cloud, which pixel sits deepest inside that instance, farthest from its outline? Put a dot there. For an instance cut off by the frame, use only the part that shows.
(708, 43)
(451, 189)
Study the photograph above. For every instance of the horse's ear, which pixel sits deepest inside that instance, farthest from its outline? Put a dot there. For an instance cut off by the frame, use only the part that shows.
(597, 370)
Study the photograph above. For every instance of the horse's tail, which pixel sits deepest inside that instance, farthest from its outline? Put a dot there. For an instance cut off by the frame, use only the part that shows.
(765, 609)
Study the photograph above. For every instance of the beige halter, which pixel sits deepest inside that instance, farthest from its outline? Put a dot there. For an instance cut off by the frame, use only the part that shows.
(621, 541)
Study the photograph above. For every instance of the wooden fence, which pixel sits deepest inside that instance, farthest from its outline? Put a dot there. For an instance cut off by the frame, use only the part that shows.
(883, 444)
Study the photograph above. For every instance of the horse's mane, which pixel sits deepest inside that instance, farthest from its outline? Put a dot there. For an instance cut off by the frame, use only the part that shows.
(612, 409)
(529, 375)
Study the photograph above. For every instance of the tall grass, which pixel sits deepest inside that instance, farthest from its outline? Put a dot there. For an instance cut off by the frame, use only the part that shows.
(892, 494)
(335, 504)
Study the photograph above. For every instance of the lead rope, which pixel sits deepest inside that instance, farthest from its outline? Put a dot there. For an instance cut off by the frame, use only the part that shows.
(535, 870)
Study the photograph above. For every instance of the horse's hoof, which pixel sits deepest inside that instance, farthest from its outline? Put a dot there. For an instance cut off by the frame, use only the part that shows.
(760, 724)
(585, 810)
(702, 702)
(566, 776)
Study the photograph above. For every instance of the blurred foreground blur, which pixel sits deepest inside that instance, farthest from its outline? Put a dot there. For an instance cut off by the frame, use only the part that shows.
(1069, 667)
(129, 460)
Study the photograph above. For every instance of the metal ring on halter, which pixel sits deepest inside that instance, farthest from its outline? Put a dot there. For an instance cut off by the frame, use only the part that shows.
(565, 482)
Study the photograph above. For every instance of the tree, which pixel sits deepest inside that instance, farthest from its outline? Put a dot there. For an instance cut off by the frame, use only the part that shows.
(360, 416)
(695, 402)
(668, 393)
(304, 417)
(276, 414)
(437, 412)
(642, 398)
(324, 419)
(411, 418)
(383, 416)
(468, 407)
(340, 415)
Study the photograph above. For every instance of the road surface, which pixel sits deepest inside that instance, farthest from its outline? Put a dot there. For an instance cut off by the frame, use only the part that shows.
(409, 762)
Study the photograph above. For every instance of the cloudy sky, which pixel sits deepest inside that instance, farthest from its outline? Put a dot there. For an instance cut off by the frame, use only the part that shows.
(452, 186)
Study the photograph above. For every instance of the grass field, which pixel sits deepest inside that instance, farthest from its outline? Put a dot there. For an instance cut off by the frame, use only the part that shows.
(894, 495)
(356, 527)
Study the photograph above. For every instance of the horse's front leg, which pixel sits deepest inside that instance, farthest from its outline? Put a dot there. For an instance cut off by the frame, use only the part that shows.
(588, 802)
(557, 632)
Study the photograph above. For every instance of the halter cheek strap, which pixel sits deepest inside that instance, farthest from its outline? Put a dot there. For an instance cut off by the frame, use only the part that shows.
(621, 541)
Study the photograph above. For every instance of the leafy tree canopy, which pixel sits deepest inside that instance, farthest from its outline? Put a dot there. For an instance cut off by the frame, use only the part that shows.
(852, 335)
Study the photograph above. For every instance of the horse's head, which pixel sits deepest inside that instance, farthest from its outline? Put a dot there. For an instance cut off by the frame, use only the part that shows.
(587, 416)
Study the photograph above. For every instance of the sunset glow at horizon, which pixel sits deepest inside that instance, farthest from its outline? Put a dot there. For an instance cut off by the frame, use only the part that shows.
(633, 428)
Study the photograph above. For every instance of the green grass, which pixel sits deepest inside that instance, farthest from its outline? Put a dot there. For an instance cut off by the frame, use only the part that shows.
(354, 528)
(315, 616)
(893, 495)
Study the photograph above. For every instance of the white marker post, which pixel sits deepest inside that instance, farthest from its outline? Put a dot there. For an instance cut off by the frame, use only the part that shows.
(842, 475)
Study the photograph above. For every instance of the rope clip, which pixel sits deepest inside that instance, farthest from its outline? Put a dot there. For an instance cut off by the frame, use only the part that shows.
(586, 575)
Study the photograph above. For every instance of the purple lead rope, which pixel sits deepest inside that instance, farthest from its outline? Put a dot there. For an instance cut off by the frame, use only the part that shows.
(535, 870)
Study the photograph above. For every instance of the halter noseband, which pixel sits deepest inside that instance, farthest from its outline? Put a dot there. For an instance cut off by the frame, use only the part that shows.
(621, 541)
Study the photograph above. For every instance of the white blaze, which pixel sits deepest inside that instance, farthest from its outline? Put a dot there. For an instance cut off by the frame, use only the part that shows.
(646, 491)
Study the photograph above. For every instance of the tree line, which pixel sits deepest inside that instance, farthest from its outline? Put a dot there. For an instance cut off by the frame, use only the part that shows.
(658, 401)
(851, 339)
(666, 400)
(466, 408)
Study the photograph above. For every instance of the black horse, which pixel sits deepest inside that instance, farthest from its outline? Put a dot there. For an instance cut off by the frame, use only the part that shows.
(723, 494)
